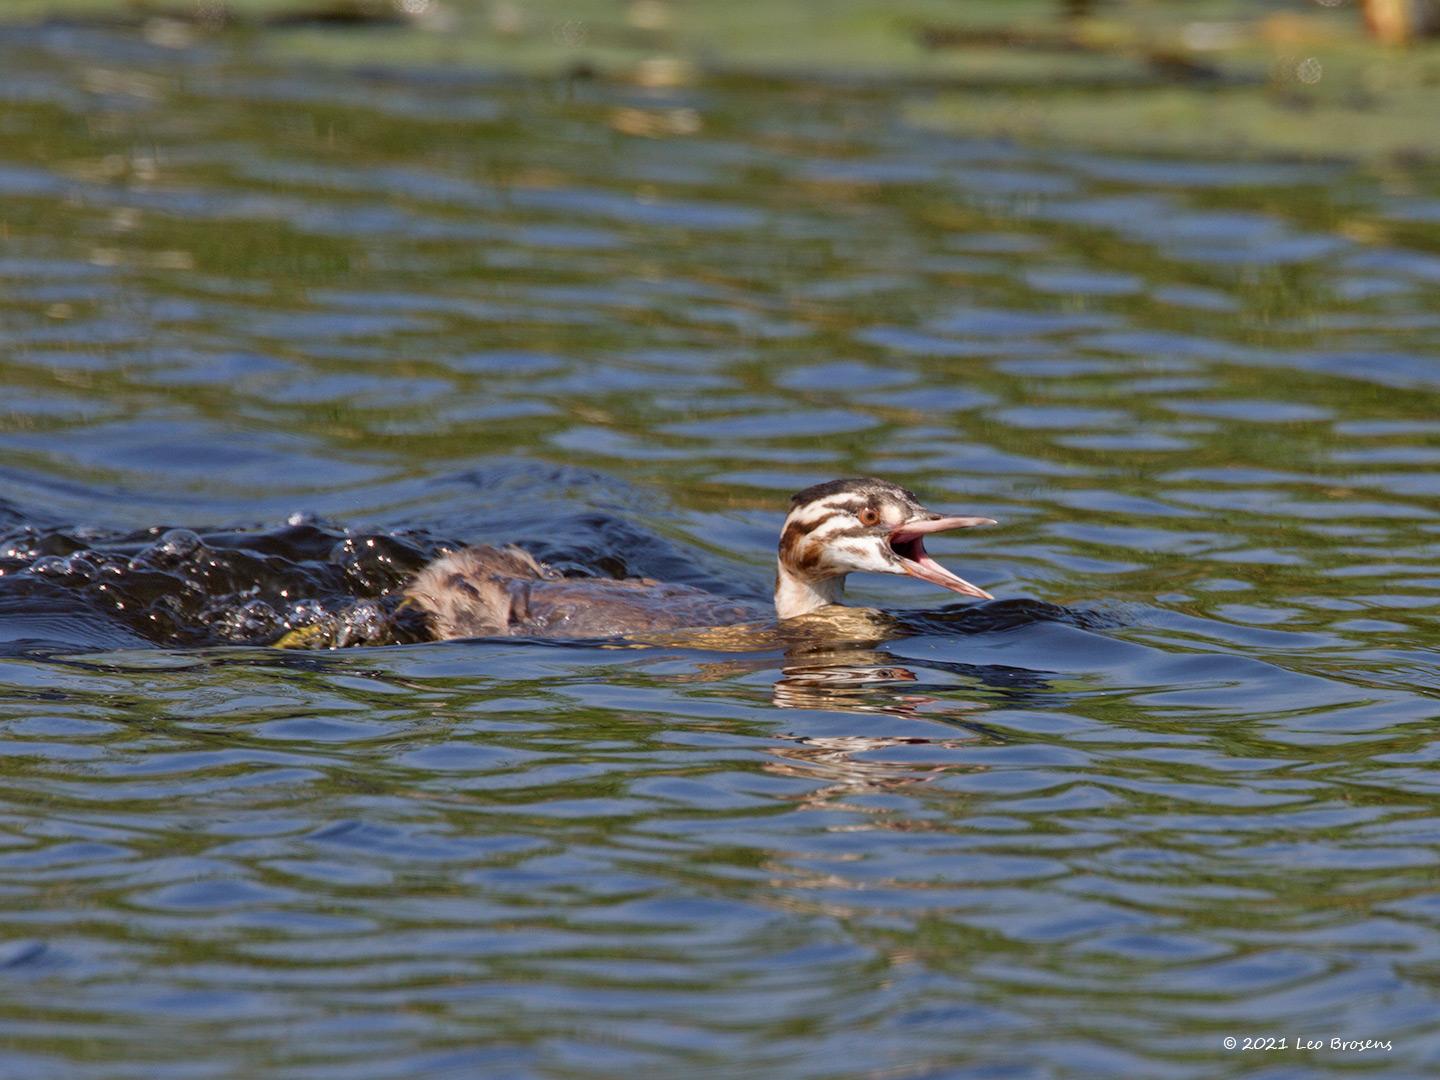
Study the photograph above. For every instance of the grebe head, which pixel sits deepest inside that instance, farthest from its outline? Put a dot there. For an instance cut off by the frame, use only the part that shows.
(860, 525)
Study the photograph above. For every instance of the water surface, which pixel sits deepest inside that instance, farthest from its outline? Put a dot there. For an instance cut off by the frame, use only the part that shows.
(1175, 785)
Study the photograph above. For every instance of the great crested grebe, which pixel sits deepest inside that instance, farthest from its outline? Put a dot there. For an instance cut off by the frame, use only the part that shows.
(833, 529)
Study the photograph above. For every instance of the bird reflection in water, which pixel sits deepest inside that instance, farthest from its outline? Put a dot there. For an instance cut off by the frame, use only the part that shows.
(835, 662)
(871, 682)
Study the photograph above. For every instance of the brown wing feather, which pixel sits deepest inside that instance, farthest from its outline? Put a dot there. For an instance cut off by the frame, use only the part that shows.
(501, 592)
(473, 592)
(604, 607)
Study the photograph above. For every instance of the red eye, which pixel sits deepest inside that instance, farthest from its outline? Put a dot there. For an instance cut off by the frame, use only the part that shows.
(869, 516)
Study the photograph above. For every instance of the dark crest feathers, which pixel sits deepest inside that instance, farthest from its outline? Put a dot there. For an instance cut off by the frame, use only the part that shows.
(859, 485)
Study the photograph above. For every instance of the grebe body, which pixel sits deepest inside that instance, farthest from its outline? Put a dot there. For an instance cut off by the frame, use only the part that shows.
(834, 529)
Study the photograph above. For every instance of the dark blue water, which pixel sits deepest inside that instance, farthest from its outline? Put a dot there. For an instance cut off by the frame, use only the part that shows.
(1175, 785)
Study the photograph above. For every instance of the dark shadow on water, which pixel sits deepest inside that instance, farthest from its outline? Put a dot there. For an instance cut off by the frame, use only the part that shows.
(997, 616)
(88, 588)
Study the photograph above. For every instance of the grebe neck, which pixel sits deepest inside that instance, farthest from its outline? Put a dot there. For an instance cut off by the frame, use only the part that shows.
(797, 595)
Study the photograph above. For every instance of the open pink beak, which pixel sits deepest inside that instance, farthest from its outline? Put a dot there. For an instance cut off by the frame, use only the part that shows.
(907, 542)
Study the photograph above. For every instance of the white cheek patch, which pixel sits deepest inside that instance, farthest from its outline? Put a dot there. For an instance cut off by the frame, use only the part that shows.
(809, 515)
(830, 528)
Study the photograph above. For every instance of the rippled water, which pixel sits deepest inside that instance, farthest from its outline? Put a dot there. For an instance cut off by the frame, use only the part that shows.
(1175, 785)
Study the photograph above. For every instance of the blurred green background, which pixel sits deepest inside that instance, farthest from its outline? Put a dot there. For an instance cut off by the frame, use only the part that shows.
(1228, 77)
